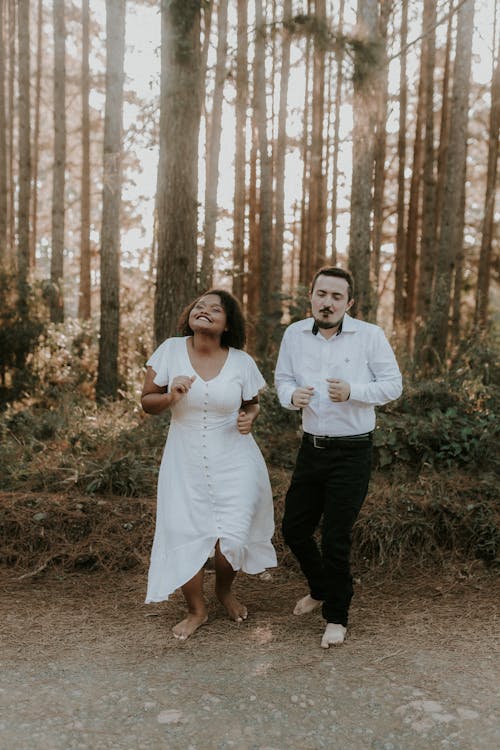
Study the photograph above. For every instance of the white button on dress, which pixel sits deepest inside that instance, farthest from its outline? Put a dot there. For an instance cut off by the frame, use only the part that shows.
(213, 482)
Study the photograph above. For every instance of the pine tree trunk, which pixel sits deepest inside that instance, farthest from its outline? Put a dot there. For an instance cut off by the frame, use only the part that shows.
(177, 203)
(456, 307)
(36, 137)
(444, 129)
(428, 240)
(84, 298)
(23, 214)
(316, 210)
(58, 174)
(107, 377)
(265, 203)
(438, 322)
(339, 59)
(366, 76)
(281, 152)
(11, 191)
(305, 264)
(400, 267)
(412, 233)
(483, 279)
(380, 151)
(3, 146)
(213, 151)
(240, 152)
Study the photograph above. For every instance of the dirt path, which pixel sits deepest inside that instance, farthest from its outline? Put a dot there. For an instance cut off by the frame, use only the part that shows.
(86, 665)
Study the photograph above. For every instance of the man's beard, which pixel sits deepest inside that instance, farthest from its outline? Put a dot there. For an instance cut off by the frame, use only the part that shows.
(327, 324)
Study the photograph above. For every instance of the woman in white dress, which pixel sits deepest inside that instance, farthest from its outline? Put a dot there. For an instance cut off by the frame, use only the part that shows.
(213, 486)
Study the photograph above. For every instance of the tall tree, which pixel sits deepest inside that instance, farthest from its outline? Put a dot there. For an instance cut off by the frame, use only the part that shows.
(240, 151)
(399, 280)
(11, 123)
(36, 135)
(59, 171)
(366, 74)
(380, 148)
(281, 152)
(177, 200)
(438, 322)
(23, 214)
(107, 376)
(428, 239)
(265, 203)
(305, 268)
(84, 303)
(213, 150)
(339, 58)
(316, 206)
(3, 145)
(412, 232)
(483, 279)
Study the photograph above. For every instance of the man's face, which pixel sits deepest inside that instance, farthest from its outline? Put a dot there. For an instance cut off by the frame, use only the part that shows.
(330, 301)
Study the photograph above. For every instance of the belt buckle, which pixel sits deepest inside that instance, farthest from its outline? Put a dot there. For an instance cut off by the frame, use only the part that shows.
(317, 445)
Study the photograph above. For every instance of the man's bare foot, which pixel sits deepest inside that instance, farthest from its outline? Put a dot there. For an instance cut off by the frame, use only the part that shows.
(235, 609)
(334, 635)
(187, 627)
(306, 604)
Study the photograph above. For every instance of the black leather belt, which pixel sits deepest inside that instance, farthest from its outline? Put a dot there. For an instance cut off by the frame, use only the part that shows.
(327, 441)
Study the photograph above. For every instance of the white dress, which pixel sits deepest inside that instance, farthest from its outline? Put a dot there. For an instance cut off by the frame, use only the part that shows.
(213, 482)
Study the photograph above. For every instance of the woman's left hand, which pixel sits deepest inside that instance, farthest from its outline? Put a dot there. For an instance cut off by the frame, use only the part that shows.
(244, 422)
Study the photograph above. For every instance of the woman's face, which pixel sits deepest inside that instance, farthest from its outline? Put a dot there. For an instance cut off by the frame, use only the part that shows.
(208, 316)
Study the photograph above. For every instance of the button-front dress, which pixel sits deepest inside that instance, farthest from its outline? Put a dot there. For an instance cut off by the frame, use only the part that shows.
(213, 482)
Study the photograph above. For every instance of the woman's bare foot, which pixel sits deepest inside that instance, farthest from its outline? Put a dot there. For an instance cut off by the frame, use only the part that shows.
(187, 627)
(306, 604)
(235, 609)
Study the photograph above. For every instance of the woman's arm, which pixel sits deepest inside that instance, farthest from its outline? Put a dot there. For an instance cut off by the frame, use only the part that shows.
(155, 399)
(247, 415)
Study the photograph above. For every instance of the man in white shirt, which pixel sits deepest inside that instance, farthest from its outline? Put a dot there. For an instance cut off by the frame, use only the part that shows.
(336, 369)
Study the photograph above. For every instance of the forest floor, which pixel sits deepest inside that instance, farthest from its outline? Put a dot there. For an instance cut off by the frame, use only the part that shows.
(85, 664)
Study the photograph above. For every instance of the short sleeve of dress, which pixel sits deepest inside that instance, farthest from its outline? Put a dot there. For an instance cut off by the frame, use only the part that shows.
(253, 381)
(159, 361)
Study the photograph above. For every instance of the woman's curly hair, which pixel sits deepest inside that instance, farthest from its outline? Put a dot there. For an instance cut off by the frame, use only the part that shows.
(235, 336)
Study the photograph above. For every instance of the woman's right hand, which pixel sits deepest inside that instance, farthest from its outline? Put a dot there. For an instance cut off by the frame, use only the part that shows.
(180, 385)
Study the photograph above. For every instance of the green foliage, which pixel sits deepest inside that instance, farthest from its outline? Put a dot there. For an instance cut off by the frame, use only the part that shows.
(19, 333)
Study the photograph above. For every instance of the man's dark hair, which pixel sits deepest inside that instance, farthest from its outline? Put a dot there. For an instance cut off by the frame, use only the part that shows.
(235, 336)
(340, 273)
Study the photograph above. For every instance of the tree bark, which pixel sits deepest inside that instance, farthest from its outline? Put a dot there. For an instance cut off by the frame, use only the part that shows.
(36, 136)
(180, 112)
(107, 377)
(366, 74)
(265, 203)
(428, 240)
(240, 152)
(24, 145)
(59, 170)
(84, 298)
(483, 278)
(12, 118)
(3, 146)
(213, 151)
(438, 322)
(380, 151)
(281, 153)
(316, 208)
(399, 281)
(339, 59)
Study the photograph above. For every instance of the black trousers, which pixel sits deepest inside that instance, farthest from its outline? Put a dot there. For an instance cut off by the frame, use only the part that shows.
(329, 483)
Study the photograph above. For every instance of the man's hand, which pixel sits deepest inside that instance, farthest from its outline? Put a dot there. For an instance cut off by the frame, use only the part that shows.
(302, 396)
(338, 390)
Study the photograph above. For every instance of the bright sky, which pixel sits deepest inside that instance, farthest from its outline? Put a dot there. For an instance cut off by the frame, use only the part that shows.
(142, 65)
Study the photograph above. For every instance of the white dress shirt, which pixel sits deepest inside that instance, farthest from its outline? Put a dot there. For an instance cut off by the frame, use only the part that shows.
(360, 355)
